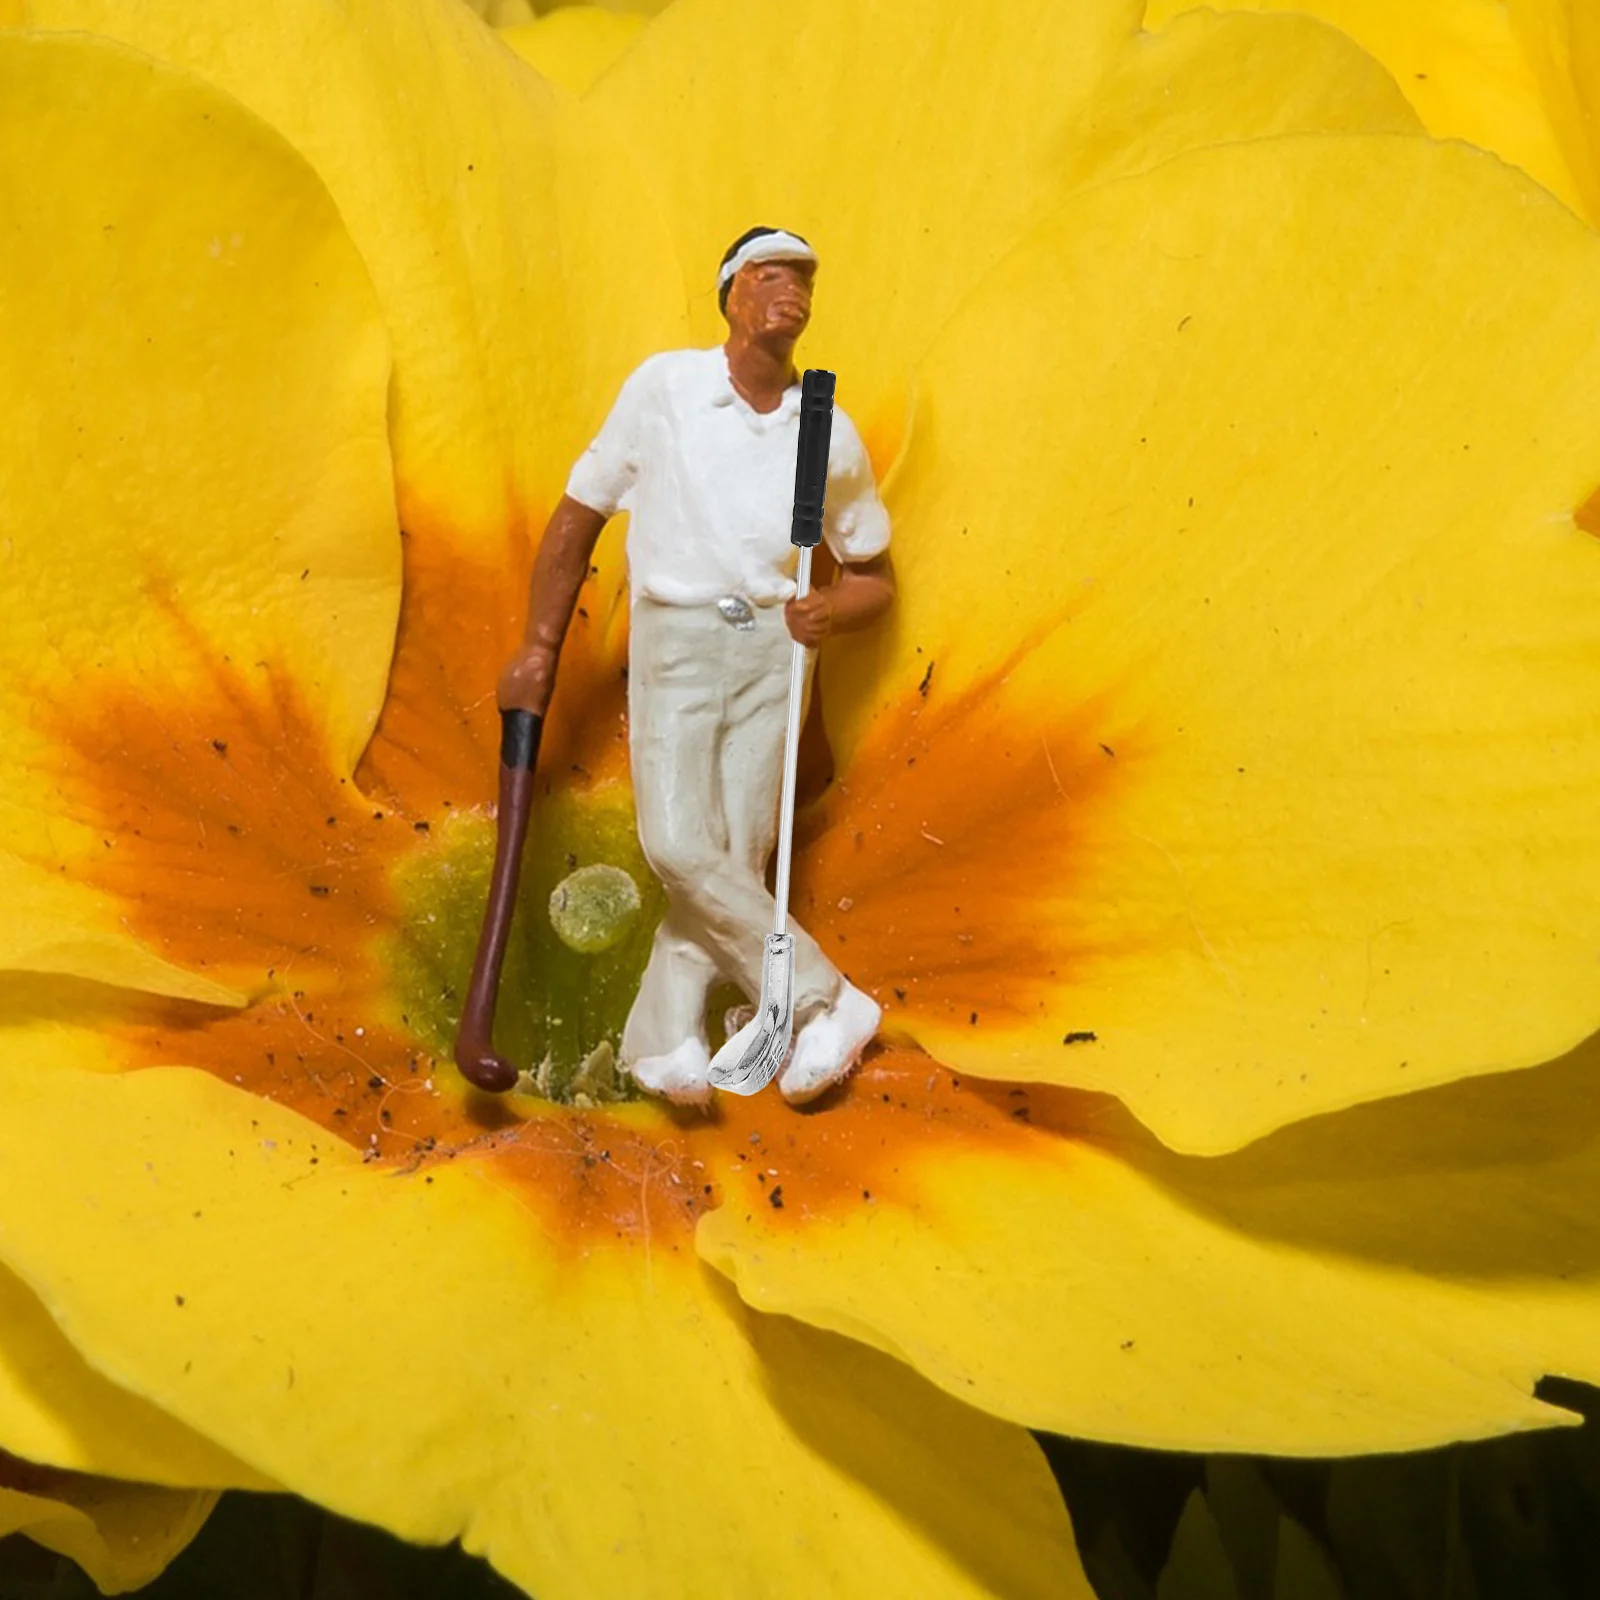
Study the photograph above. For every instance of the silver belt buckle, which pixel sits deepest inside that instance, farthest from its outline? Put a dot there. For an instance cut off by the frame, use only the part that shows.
(737, 612)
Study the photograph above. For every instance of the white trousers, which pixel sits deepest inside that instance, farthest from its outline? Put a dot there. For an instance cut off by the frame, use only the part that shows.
(707, 716)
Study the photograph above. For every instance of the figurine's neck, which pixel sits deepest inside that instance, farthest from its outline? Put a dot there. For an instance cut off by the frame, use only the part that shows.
(760, 372)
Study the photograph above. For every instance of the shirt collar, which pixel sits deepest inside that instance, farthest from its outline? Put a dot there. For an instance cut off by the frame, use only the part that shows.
(723, 393)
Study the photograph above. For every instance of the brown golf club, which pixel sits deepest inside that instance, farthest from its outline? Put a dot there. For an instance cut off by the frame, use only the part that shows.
(475, 1053)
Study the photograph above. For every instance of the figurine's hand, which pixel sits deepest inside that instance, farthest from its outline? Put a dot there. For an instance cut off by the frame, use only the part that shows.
(809, 620)
(528, 680)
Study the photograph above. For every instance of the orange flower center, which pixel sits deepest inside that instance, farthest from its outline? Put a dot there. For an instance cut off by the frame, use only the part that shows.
(349, 909)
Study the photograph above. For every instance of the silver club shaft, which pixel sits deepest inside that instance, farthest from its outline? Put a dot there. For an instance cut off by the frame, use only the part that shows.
(791, 754)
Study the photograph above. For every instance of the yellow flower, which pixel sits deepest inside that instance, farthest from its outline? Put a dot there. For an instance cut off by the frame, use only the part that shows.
(1518, 77)
(1227, 764)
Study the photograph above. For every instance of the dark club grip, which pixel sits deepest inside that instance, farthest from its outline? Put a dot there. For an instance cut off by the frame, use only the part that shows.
(811, 461)
(519, 739)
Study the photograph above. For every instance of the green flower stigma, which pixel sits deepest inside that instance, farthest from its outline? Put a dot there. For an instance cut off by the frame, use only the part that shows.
(591, 909)
(587, 907)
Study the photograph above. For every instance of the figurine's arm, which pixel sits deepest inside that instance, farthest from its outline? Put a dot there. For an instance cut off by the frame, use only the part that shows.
(863, 592)
(529, 677)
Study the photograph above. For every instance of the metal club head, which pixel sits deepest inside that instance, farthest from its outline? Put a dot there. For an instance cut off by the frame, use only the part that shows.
(749, 1061)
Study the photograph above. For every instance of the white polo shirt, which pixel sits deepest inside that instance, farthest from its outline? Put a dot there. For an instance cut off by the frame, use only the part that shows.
(708, 484)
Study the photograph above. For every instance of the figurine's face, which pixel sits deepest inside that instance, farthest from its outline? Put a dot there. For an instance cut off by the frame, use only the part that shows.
(770, 299)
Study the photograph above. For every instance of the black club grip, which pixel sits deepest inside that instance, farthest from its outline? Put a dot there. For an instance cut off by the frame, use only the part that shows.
(519, 739)
(811, 461)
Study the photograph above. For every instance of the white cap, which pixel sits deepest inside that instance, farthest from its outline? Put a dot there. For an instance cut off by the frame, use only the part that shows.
(776, 245)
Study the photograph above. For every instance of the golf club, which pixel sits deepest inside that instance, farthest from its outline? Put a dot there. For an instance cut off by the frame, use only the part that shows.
(474, 1052)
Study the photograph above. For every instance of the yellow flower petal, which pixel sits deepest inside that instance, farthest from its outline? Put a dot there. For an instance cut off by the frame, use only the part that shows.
(636, 8)
(574, 45)
(1561, 39)
(490, 213)
(522, 271)
(122, 1534)
(1494, 74)
(970, 121)
(1208, 79)
(1252, 769)
(503, 13)
(56, 1410)
(199, 378)
(585, 1404)
(1388, 1278)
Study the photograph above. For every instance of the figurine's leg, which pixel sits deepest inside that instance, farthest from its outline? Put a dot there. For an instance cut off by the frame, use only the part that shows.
(687, 666)
(834, 1020)
(750, 759)
(671, 1003)
(751, 770)
(674, 716)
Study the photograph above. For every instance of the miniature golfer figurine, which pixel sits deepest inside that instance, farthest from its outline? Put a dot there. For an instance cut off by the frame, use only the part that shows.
(700, 450)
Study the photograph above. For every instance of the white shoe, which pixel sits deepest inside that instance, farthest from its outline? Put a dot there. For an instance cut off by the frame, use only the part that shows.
(829, 1045)
(682, 1075)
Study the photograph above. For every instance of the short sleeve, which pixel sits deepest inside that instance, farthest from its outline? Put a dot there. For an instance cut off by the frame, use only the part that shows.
(602, 476)
(854, 522)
